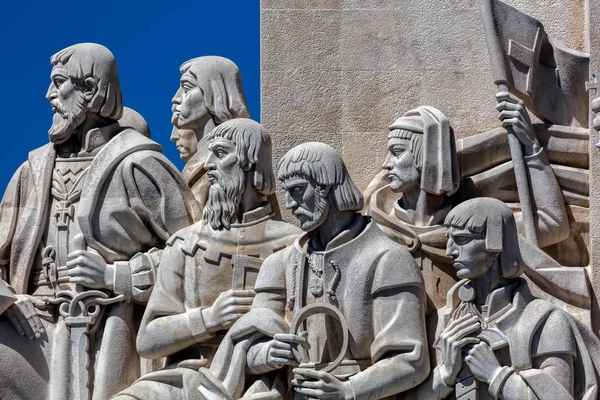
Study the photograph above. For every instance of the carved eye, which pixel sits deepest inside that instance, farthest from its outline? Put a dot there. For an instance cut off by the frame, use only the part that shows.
(187, 86)
(220, 153)
(58, 82)
(462, 240)
(296, 189)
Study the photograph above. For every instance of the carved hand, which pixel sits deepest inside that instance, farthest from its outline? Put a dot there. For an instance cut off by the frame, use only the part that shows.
(513, 113)
(89, 269)
(482, 362)
(281, 349)
(24, 316)
(321, 385)
(452, 341)
(227, 309)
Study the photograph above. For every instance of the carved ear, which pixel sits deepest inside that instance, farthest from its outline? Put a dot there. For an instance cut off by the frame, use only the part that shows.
(90, 88)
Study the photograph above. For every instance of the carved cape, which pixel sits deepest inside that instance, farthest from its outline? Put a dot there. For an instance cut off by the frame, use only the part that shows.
(133, 199)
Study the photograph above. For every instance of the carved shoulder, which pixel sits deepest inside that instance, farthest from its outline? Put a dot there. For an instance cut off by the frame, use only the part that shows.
(272, 271)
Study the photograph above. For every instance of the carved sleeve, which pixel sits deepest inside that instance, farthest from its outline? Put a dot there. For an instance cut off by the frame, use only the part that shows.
(546, 380)
(165, 205)
(135, 278)
(552, 373)
(270, 294)
(9, 211)
(168, 326)
(399, 349)
(552, 222)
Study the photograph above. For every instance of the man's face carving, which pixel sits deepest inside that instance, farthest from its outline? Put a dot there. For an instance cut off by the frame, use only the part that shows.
(189, 107)
(400, 164)
(469, 255)
(68, 103)
(307, 200)
(186, 142)
(227, 180)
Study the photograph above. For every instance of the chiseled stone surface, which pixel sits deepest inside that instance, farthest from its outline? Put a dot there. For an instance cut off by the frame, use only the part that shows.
(358, 64)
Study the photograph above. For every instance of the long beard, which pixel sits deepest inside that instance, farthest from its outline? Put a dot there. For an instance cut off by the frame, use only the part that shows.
(224, 199)
(318, 216)
(66, 120)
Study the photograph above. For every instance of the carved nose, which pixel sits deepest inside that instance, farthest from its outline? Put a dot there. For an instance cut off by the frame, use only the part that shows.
(176, 100)
(387, 164)
(290, 202)
(51, 94)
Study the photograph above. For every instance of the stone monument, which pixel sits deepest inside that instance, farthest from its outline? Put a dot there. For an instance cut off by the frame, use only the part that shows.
(75, 220)
(459, 261)
(344, 306)
(210, 93)
(208, 270)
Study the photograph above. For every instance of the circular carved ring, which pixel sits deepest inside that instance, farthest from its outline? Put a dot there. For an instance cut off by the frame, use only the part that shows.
(334, 312)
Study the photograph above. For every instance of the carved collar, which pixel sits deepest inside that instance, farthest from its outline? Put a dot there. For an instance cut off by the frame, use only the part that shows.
(436, 219)
(500, 300)
(347, 235)
(95, 138)
(253, 216)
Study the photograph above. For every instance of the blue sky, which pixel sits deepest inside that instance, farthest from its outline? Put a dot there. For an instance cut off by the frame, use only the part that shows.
(150, 39)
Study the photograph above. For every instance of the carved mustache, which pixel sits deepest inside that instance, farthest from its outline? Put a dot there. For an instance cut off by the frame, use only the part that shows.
(58, 108)
(301, 211)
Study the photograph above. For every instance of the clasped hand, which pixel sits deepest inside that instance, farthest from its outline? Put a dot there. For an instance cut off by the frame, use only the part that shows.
(24, 317)
(90, 270)
(454, 345)
(514, 114)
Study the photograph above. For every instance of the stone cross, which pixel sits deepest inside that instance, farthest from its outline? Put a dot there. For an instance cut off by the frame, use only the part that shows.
(528, 57)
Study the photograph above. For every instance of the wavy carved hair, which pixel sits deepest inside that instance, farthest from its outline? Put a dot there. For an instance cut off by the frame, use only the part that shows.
(325, 166)
(253, 149)
(85, 60)
(220, 81)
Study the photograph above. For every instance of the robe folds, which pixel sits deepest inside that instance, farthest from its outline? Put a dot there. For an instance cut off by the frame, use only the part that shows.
(550, 355)
(427, 244)
(198, 264)
(132, 200)
(380, 295)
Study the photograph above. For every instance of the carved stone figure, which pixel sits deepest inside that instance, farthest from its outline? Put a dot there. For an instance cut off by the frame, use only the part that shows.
(208, 270)
(133, 119)
(495, 340)
(210, 93)
(422, 169)
(74, 221)
(186, 142)
(343, 266)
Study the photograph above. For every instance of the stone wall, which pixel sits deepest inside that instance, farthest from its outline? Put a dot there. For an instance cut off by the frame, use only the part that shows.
(340, 71)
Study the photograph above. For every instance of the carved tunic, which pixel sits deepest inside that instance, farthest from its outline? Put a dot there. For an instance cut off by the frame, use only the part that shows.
(549, 355)
(199, 264)
(380, 294)
(126, 198)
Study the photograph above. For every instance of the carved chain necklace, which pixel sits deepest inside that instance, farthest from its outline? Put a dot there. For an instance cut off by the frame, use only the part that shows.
(316, 278)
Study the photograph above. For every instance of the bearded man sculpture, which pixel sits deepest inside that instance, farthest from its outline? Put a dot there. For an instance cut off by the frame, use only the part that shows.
(343, 264)
(208, 270)
(78, 224)
(210, 93)
(495, 340)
